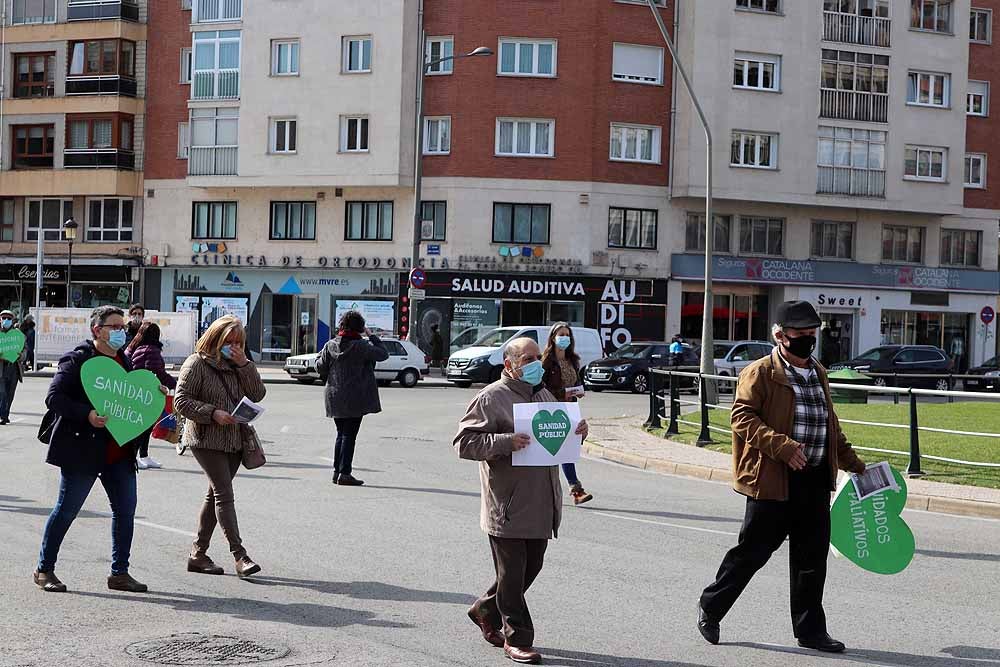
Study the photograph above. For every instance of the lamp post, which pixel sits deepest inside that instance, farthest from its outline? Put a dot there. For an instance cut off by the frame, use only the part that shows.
(418, 171)
(69, 232)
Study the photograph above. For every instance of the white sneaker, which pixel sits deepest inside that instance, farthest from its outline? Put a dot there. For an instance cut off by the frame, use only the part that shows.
(142, 463)
(148, 462)
(180, 448)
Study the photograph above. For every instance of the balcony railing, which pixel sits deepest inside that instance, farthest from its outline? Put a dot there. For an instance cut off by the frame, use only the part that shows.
(213, 160)
(210, 11)
(851, 181)
(854, 29)
(99, 158)
(97, 10)
(216, 85)
(112, 84)
(853, 105)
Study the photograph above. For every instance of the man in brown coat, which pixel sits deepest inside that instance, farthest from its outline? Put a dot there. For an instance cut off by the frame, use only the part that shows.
(787, 448)
(521, 506)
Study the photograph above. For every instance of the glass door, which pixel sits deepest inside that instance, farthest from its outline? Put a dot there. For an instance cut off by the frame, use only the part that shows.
(276, 334)
(304, 341)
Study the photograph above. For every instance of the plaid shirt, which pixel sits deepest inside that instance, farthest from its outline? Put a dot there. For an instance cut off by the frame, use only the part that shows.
(810, 411)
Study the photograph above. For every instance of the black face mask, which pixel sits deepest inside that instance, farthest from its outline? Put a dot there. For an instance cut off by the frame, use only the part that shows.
(801, 347)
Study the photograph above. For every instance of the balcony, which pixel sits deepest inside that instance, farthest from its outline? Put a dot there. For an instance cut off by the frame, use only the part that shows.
(99, 158)
(854, 29)
(216, 85)
(213, 160)
(853, 105)
(851, 181)
(100, 10)
(217, 11)
(112, 84)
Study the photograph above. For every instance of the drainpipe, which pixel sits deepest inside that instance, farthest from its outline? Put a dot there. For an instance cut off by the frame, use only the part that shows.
(673, 104)
(3, 73)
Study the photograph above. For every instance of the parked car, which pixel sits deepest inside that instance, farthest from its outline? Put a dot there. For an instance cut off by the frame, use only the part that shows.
(731, 357)
(406, 364)
(903, 360)
(628, 368)
(988, 377)
(483, 361)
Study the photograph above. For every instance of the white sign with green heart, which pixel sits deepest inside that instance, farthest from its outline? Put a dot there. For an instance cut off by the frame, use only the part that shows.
(552, 427)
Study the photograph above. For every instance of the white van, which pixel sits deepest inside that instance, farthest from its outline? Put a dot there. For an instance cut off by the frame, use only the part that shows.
(483, 361)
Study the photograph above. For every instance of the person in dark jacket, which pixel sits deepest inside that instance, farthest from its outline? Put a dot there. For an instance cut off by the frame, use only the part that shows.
(147, 354)
(28, 329)
(84, 451)
(347, 368)
(437, 348)
(10, 371)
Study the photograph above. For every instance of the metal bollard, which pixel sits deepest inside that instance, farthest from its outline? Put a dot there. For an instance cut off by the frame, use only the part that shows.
(705, 437)
(653, 421)
(675, 407)
(951, 384)
(895, 383)
(913, 469)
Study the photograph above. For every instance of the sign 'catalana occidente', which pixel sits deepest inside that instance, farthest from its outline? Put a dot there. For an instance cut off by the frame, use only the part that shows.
(132, 401)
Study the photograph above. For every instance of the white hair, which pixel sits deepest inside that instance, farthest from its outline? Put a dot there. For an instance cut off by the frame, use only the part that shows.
(775, 329)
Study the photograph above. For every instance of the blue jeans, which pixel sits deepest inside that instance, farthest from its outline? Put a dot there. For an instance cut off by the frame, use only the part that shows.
(569, 469)
(119, 483)
(347, 438)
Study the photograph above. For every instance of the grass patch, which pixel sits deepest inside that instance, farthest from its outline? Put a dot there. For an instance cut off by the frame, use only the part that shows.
(968, 416)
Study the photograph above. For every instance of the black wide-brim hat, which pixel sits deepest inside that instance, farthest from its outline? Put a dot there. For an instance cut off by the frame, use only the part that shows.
(798, 315)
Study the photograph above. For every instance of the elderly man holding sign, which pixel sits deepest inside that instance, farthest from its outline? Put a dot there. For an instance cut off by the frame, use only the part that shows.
(521, 504)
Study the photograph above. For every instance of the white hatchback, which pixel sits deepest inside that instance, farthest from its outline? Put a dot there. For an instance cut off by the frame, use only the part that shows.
(406, 364)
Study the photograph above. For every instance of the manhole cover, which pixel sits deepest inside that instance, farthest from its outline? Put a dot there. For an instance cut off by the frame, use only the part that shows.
(194, 648)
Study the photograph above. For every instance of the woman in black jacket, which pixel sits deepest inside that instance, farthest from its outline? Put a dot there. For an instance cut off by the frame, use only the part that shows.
(347, 367)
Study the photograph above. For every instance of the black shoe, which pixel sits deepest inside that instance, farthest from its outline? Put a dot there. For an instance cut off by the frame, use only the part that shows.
(708, 626)
(4, 421)
(822, 642)
(336, 479)
(348, 480)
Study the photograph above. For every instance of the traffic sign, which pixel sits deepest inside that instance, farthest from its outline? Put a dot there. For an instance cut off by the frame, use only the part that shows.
(416, 294)
(418, 278)
(987, 315)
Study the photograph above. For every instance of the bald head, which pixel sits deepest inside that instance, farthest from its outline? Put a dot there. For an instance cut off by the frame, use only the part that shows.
(521, 351)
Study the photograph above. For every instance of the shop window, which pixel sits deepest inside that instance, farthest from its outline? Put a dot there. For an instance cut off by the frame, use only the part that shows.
(34, 74)
(521, 223)
(213, 220)
(902, 244)
(761, 236)
(34, 146)
(47, 215)
(368, 221)
(960, 247)
(6, 219)
(571, 313)
(109, 219)
(631, 228)
(694, 233)
(832, 240)
(293, 220)
(434, 217)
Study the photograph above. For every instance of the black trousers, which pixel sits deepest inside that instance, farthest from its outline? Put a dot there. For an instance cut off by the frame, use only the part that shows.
(347, 438)
(517, 564)
(805, 519)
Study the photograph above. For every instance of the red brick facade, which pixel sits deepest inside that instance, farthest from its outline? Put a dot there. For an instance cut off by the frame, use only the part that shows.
(582, 98)
(983, 134)
(166, 97)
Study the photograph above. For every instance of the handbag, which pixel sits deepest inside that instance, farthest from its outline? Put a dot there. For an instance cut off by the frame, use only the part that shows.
(48, 424)
(253, 450)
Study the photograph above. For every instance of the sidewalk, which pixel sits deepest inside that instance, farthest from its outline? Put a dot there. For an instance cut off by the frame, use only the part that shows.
(622, 441)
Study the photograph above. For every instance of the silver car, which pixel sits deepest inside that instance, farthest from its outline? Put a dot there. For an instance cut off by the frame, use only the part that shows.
(731, 357)
(406, 364)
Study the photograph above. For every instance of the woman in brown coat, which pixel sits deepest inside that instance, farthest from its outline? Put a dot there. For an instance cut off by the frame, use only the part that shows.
(213, 380)
(562, 371)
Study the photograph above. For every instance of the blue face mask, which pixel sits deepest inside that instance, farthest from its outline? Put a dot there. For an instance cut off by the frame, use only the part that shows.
(6, 324)
(532, 373)
(116, 339)
(563, 342)
(227, 351)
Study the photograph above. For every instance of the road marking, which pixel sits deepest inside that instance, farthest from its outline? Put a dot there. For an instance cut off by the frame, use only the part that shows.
(794, 650)
(664, 523)
(150, 524)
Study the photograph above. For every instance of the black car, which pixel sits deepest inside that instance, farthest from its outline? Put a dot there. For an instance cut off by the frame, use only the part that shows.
(628, 368)
(989, 379)
(903, 361)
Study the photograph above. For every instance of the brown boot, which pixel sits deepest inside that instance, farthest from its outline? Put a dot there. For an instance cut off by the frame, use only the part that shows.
(246, 567)
(202, 564)
(580, 496)
(49, 582)
(125, 582)
(528, 656)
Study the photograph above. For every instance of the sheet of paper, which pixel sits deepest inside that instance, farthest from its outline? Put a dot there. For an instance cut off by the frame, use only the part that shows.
(573, 392)
(552, 427)
(876, 478)
(247, 411)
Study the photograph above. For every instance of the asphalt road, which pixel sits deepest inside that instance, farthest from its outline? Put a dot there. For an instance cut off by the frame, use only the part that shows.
(382, 575)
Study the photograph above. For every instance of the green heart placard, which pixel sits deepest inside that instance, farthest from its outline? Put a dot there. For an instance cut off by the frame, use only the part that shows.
(11, 344)
(551, 429)
(872, 534)
(132, 402)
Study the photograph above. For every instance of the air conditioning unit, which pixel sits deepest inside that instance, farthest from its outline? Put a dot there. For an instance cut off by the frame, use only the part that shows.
(584, 198)
(599, 258)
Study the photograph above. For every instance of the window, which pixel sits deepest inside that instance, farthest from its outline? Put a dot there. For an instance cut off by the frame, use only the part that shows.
(960, 247)
(525, 138)
(757, 72)
(521, 223)
(975, 170)
(635, 143)
(902, 244)
(854, 86)
(368, 221)
(357, 56)
(293, 221)
(34, 146)
(353, 134)
(186, 4)
(109, 220)
(770, 6)
(285, 57)
(694, 233)
(761, 236)
(47, 215)
(282, 139)
(33, 11)
(183, 141)
(433, 216)
(437, 135)
(438, 48)
(866, 22)
(34, 74)
(633, 63)
(102, 57)
(934, 15)
(520, 57)
(978, 98)
(218, 10)
(98, 132)
(927, 89)
(632, 228)
(925, 163)
(216, 65)
(832, 240)
(215, 127)
(213, 220)
(980, 24)
(187, 64)
(851, 161)
(6, 219)
(751, 149)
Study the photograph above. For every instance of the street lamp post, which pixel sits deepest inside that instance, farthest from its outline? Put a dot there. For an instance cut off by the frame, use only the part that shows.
(69, 232)
(418, 171)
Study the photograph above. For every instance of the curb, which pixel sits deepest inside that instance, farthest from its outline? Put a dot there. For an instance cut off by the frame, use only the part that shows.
(936, 504)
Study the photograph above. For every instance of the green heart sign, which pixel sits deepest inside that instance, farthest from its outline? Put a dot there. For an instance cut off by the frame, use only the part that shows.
(871, 533)
(551, 429)
(11, 344)
(132, 402)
